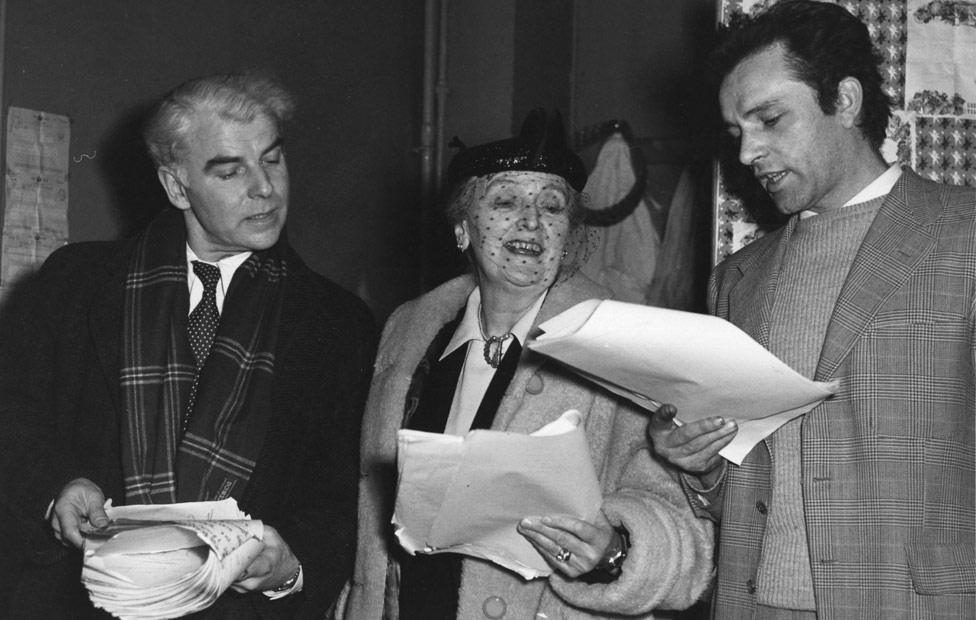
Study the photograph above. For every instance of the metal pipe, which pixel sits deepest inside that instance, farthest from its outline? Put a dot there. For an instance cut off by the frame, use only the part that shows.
(427, 137)
(442, 91)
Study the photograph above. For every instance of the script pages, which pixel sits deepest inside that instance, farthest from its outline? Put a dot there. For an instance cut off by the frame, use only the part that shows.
(467, 494)
(167, 560)
(701, 364)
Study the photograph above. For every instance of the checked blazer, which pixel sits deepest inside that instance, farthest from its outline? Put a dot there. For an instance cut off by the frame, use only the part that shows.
(888, 461)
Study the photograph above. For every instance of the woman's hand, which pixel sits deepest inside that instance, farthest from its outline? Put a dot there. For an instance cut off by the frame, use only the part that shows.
(572, 546)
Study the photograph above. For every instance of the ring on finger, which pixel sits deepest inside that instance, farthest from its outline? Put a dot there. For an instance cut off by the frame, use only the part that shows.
(563, 555)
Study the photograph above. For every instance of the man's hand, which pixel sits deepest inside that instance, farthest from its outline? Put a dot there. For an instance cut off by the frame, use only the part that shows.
(691, 447)
(79, 502)
(271, 568)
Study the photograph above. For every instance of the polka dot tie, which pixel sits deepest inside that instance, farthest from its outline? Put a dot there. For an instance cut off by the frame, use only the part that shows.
(202, 322)
(201, 326)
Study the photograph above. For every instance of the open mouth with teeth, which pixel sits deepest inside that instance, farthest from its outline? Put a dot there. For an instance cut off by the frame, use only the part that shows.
(525, 248)
(771, 179)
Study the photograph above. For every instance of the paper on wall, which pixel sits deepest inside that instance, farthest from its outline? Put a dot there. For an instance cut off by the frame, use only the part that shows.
(35, 217)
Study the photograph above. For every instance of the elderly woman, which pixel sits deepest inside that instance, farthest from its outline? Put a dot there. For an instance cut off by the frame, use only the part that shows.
(455, 360)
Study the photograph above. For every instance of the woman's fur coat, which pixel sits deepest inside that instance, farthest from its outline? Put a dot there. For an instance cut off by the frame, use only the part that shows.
(670, 559)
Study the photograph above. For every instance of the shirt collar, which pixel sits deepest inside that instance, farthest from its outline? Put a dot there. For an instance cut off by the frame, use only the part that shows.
(469, 328)
(878, 187)
(881, 186)
(227, 265)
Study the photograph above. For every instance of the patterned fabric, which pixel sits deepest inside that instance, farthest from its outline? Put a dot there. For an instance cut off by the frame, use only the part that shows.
(817, 258)
(202, 322)
(217, 453)
(201, 327)
(888, 462)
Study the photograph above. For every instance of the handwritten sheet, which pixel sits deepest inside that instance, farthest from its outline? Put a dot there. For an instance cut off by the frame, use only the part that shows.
(35, 219)
(467, 494)
(701, 364)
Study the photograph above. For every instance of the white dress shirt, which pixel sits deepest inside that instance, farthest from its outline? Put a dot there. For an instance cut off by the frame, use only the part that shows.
(477, 373)
(227, 268)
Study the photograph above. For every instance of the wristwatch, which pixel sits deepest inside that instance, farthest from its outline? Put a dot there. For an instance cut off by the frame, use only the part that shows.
(289, 583)
(616, 555)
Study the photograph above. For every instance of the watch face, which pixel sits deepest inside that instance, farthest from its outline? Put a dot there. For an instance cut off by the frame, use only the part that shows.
(615, 560)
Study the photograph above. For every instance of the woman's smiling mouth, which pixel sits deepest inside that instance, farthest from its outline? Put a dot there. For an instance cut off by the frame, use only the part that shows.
(529, 248)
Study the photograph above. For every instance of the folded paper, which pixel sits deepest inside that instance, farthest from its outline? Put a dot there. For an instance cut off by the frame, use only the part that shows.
(467, 494)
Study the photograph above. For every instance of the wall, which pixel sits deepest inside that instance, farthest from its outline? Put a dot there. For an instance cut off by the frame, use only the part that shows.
(639, 60)
(355, 67)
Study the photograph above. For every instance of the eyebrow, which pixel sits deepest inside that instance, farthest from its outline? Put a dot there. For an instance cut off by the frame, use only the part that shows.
(221, 160)
(753, 111)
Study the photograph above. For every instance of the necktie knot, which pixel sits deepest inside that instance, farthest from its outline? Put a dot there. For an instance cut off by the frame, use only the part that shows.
(209, 275)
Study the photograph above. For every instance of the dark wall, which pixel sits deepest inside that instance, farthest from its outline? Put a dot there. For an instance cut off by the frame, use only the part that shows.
(354, 66)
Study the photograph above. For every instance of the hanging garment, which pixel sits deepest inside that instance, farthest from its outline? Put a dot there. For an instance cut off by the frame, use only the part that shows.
(674, 280)
(626, 254)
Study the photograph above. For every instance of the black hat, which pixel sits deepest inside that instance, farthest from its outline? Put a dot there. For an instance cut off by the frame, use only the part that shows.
(539, 147)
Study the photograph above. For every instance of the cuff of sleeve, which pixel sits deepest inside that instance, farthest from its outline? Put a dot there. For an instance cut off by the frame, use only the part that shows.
(293, 584)
(705, 497)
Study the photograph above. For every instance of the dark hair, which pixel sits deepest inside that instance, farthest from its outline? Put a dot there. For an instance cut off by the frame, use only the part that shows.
(234, 96)
(824, 42)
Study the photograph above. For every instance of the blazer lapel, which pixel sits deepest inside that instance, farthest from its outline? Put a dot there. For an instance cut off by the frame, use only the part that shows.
(897, 241)
(751, 298)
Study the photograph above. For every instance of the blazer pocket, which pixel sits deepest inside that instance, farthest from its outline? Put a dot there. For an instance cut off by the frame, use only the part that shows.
(942, 569)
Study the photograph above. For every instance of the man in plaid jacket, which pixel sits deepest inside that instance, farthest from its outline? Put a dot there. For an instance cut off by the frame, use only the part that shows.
(864, 507)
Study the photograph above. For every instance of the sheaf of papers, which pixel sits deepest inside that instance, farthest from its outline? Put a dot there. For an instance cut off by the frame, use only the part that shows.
(167, 560)
(467, 494)
(701, 364)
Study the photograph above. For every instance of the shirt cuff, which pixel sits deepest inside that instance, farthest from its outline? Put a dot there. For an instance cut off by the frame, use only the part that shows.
(296, 586)
(705, 496)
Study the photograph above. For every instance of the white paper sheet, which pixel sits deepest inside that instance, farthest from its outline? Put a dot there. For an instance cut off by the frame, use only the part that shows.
(467, 494)
(701, 364)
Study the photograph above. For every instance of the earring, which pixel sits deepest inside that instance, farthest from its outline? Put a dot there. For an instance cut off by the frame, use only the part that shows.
(461, 245)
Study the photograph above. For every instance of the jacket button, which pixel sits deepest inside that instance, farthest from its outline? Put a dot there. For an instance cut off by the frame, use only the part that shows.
(761, 507)
(751, 586)
(494, 607)
(534, 386)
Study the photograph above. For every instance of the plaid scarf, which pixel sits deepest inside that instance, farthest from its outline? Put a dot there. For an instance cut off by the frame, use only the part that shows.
(218, 452)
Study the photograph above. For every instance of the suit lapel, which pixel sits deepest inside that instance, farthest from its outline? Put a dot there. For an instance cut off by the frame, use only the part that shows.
(897, 241)
(751, 298)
